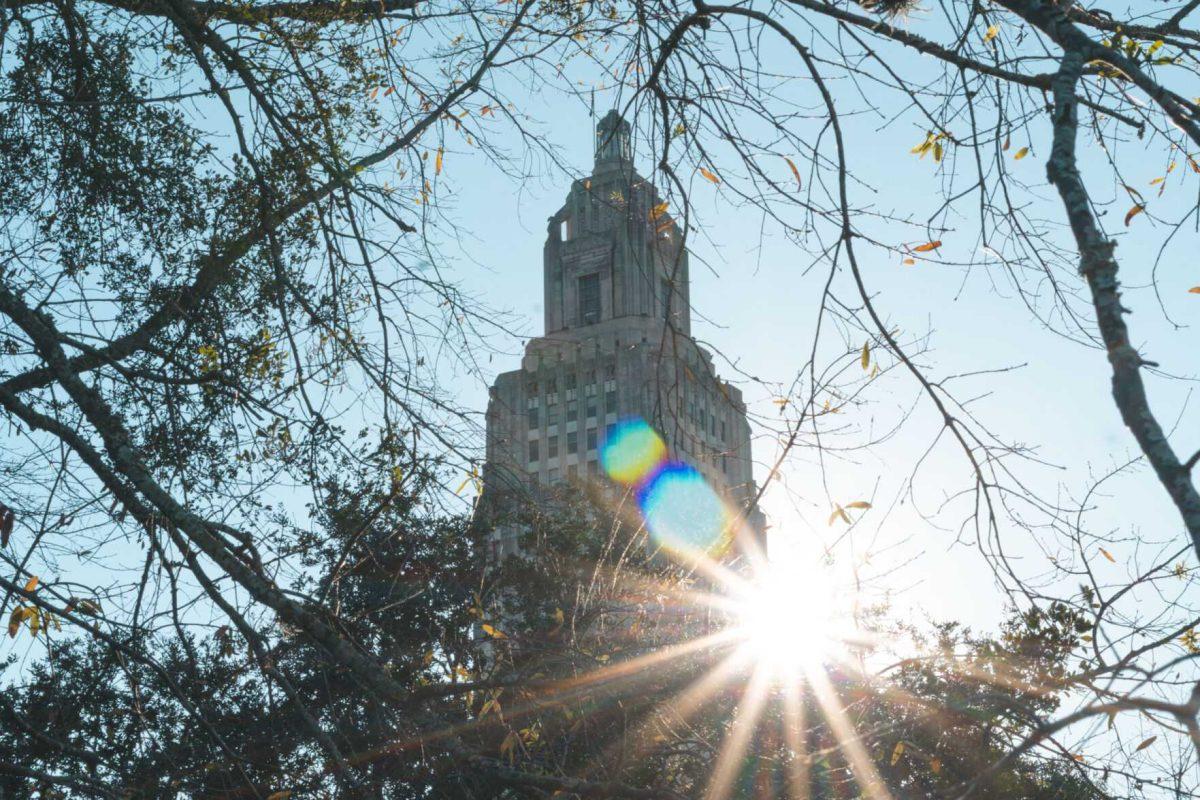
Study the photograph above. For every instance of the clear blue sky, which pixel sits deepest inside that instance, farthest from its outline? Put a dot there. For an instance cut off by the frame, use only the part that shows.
(754, 304)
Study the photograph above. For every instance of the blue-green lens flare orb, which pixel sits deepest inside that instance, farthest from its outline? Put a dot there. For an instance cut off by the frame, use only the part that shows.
(683, 513)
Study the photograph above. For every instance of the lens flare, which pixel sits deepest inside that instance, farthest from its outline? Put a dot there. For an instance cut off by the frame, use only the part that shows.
(633, 452)
(683, 513)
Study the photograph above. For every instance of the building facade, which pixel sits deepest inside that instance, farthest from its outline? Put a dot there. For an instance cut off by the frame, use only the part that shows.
(617, 344)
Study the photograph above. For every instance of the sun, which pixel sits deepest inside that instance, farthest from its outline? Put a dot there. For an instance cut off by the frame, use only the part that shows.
(786, 618)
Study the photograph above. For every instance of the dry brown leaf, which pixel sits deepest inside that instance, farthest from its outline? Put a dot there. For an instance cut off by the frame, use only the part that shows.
(796, 172)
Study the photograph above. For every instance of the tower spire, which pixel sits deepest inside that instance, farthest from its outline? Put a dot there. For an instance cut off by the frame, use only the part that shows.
(612, 139)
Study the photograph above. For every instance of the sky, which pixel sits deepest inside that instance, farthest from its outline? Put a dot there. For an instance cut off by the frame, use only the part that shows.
(755, 303)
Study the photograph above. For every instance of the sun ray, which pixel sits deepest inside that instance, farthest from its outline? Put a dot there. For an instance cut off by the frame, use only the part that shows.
(865, 774)
(736, 742)
(682, 706)
(794, 736)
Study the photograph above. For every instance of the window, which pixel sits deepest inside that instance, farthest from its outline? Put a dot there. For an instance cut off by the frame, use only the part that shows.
(552, 416)
(572, 412)
(592, 468)
(610, 402)
(533, 451)
(724, 464)
(589, 299)
(552, 447)
(591, 438)
(552, 475)
(665, 297)
(722, 430)
(573, 442)
(573, 472)
(534, 417)
(591, 407)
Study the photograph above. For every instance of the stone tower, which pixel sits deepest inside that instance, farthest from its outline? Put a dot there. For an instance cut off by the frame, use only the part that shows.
(617, 344)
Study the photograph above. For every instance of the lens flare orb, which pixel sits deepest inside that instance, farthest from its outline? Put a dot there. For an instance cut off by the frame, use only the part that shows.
(633, 452)
(683, 513)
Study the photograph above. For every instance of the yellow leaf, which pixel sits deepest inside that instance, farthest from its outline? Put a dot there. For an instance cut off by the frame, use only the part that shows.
(1154, 47)
(991, 33)
(492, 632)
(908, 262)
(838, 511)
(1017, 156)
(897, 751)
(559, 617)
(796, 172)
(1133, 212)
(1157, 181)
(928, 246)
(1107, 555)
(865, 358)
(935, 765)
(15, 619)
(1145, 743)
(437, 163)
(709, 176)
(658, 211)
(428, 659)
(283, 794)
(680, 129)
(1194, 290)
(31, 584)
(780, 401)
(937, 152)
(858, 504)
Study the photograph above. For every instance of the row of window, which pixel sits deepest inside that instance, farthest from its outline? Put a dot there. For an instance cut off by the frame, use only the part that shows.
(591, 442)
(570, 383)
(590, 410)
(553, 474)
